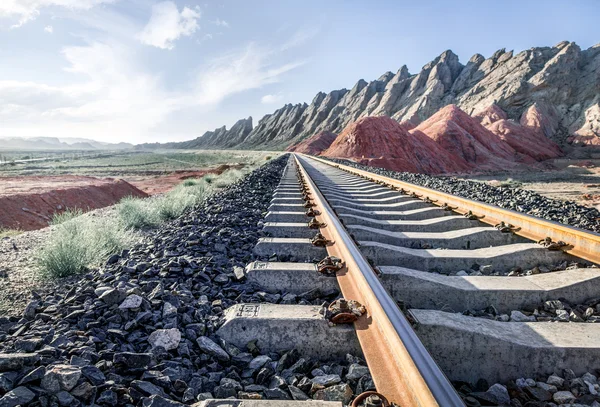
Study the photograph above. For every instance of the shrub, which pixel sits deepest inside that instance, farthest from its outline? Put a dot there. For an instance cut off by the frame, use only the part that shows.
(65, 216)
(9, 232)
(228, 177)
(80, 243)
(169, 207)
(136, 213)
(510, 183)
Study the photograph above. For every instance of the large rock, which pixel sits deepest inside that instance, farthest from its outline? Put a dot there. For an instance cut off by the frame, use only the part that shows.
(113, 296)
(167, 338)
(60, 377)
(589, 132)
(529, 137)
(17, 397)
(208, 346)
(16, 361)
(133, 360)
(464, 137)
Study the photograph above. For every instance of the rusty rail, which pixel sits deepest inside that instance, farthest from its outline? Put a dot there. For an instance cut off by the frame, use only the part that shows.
(580, 243)
(402, 369)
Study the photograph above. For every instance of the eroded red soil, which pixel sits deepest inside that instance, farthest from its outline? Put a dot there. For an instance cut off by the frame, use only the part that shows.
(39, 198)
(29, 202)
(450, 141)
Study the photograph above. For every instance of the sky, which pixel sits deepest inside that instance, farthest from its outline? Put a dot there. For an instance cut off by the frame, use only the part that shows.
(155, 71)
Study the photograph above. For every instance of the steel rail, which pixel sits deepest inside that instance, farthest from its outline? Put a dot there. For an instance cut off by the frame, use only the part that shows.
(581, 243)
(402, 369)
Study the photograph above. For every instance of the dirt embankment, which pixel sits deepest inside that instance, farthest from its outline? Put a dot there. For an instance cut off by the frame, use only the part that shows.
(164, 183)
(30, 210)
(28, 202)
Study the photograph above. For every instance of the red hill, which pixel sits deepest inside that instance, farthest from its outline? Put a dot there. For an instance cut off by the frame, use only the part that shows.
(382, 141)
(527, 137)
(464, 137)
(315, 144)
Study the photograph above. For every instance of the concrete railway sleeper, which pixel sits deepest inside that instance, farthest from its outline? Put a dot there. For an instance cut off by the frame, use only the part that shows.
(437, 261)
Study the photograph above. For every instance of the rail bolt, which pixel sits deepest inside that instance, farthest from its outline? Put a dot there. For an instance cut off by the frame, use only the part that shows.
(506, 228)
(315, 224)
(311, 213)
(448, 208)
(330, 265)
(370, 399)
(320, 241)
(344, 311)
(471, 216)
(551, 245)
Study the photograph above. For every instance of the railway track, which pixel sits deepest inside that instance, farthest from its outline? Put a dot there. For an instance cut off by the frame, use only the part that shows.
(347, 267)
(384, 243)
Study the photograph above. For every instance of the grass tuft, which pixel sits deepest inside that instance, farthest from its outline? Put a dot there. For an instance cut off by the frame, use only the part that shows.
(9, 232)
(80, 243)
(65, 216)
(136, 213)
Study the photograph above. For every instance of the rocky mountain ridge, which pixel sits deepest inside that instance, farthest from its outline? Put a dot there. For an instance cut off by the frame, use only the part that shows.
(219, 138)
(557, 86)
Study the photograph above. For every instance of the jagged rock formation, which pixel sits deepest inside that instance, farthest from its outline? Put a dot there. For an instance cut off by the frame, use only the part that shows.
(314, 145)
(556, 87)
(219, 138)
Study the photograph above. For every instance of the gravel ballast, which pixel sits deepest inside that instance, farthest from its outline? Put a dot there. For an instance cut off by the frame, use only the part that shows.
(562, 388)
(520, 200)
(141, 330)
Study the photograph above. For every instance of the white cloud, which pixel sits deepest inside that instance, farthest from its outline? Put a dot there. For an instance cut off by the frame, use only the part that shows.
(113, 98)
(26, 10)
(300, 37)
(237, 72)
(270, 99)
(221, 23)
(49, 29)
(167, 24)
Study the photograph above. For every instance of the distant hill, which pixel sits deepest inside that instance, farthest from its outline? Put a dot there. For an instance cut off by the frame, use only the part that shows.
(55, 143)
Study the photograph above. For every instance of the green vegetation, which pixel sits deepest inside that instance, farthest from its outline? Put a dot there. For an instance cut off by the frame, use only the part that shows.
(127, 162)
(81, 242)
(509, 183)
(65, 216)
(9, 232)
(135, 213)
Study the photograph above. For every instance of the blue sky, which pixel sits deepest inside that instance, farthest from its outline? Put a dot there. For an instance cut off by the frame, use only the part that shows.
(144, 70)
